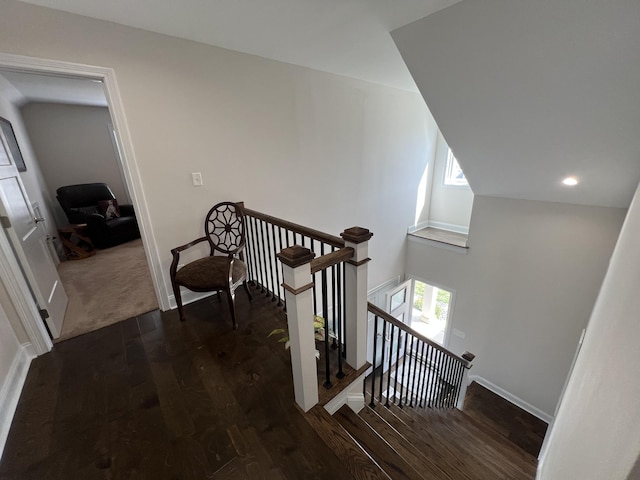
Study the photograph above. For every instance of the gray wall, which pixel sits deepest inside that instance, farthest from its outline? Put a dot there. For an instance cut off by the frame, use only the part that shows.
(73, 145)
(525, 290)
(596, 432)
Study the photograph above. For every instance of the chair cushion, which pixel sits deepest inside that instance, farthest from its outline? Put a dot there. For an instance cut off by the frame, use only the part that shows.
(210, 273)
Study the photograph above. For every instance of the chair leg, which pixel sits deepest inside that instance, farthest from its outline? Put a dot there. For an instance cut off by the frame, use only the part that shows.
(178, 297)
(231, 297)
(246, 289)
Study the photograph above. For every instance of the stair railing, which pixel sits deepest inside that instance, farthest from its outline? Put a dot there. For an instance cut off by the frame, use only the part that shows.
(411, 370)
(312, 275)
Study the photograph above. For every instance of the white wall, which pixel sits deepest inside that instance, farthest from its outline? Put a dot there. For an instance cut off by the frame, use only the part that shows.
(525, 289)
(450, 206)
(596, 432)
(318, 149)
(73, 145)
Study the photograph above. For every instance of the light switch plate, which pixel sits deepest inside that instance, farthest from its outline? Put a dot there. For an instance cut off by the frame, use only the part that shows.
(196, 178)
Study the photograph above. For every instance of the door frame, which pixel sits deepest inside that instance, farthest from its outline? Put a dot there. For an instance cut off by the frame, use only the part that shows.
(14, 280)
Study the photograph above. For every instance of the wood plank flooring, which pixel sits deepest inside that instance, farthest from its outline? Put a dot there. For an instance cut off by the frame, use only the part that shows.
(155, 398)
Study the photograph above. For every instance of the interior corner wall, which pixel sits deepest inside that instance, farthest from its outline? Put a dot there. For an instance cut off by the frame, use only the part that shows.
(525, 289)
(450, 205)
(595, 434)
(318, 149)
(73, 145)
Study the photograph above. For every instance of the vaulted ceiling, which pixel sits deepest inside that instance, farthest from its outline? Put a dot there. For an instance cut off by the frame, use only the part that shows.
(528, 92)
(525, 92)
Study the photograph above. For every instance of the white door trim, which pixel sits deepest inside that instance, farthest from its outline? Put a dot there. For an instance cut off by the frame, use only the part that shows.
(15, 283)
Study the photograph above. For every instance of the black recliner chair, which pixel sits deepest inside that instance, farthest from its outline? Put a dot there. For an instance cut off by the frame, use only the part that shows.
(108, 224)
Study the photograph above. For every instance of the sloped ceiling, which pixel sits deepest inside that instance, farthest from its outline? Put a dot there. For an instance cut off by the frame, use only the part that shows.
(345, 37)
(528, 92)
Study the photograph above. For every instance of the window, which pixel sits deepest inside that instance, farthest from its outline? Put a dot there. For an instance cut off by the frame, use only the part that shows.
(453, 174)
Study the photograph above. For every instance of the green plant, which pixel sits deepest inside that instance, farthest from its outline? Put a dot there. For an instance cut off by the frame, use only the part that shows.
(318, 331)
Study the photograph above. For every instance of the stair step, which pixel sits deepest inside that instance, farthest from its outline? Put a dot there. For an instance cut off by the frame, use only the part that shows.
(415, 457)
(471, 431)
(357, 461)
(377, 447)
(466, 447)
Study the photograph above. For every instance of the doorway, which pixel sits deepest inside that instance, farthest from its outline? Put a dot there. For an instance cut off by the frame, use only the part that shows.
(431, 310)
(29, 317)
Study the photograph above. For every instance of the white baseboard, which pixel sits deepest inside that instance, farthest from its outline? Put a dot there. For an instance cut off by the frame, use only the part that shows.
(351, 396)
(12, 388)
(527, 407)
(417, 226)
(189, 297)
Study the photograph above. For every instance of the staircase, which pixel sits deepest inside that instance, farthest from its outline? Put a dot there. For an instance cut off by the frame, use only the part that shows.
(409, 443)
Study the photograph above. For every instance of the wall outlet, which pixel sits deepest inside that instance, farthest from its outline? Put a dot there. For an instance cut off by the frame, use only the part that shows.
(196, 178)
(458, 333)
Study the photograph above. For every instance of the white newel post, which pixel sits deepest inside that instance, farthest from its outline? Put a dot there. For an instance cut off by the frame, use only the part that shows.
(356, 295)
(298, 284)
(468, 356)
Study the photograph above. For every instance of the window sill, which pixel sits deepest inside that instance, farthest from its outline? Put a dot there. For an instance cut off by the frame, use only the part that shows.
(442, 238)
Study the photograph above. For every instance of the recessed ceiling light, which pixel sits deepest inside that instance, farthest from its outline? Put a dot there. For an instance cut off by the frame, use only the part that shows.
(570, 181)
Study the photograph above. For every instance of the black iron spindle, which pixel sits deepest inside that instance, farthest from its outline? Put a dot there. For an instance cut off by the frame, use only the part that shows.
(339, 329)
(390, 360)
(404, 366)
(382, 349)
(334, 308)
(423, 372)
(327, 383)
(277, 249)
(415, 345)
(430, 381)
(373, 373)
(270, 262)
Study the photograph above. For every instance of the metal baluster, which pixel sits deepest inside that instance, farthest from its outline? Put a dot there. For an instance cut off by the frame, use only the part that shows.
(384, 337)
(270, 264)
(344, 312)
(334, 304)
(264, 248)
(404, 366)
(248, 250)
(259, 254)
(390, 358)
(277, 247)
(327, 382)
(423, 372)
(456, 385)
(373, 373)
(397, 368)
(415, 371)
(339, 329)
(431, 376)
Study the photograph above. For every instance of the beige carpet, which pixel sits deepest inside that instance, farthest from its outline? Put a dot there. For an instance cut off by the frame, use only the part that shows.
(113, 285)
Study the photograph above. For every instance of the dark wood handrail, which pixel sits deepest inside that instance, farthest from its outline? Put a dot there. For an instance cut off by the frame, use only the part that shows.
(394, 321)
(331, 259)
(294, 227)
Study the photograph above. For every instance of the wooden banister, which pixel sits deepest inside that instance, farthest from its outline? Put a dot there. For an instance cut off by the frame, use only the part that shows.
(331, 259)
(294, 227)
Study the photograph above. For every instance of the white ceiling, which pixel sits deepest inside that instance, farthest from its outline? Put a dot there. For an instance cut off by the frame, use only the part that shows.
(345, 37)
(528, 92)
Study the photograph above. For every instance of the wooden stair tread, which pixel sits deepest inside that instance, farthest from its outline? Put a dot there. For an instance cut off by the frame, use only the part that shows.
(414, 456)
(357, 461)
(389, 460)
(443, 428)
(468, 428)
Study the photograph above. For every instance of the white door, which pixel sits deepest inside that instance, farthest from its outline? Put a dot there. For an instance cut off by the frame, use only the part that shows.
(28, 240)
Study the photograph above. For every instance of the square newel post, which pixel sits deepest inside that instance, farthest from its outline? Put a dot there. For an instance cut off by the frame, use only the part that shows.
(462, 394)
(356, 295)
(298, 285)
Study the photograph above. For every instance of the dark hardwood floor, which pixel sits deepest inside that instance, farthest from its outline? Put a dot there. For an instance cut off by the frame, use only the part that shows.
(154, 398)
(520, 427)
